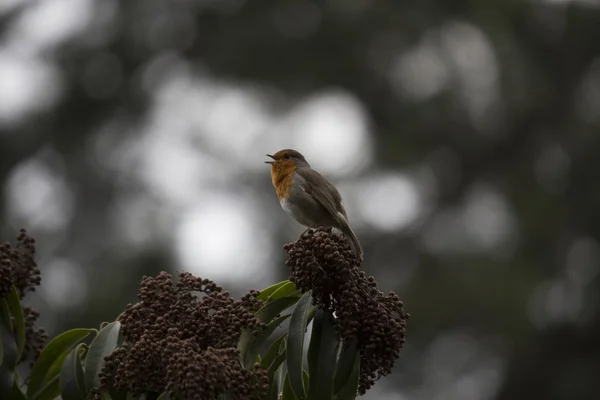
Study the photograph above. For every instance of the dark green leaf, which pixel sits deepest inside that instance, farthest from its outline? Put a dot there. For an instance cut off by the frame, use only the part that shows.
(9, 360)
(9, 346)
(7, 381)
(313, 349)
(274, 308)
(287, 392)
(48, 364)
(16, 393)
(14, 304)
(275, 370)
(280, 371)
(163, 396)
(259, 340)
(72, 383)
(350, 389)
(50, 391)
(295, 344)
(103, 345)
(273, 351)
(265, 293)
(305, 378)
(322, 356)
(117, 394)
(6, 314)
(56, 366)
(287, 290)
(265, 314)
(279, 359)
(345, 365)
(274, 383)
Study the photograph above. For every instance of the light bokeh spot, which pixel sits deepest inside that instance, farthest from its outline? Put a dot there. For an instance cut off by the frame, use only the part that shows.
(28, 85)
(218, 239)
(331, 130)
(477, 70)
(40, 196)
(389, 202)
(420, 72)
(50, 22)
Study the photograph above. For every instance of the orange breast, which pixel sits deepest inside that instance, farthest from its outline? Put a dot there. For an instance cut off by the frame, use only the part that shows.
(282, 177)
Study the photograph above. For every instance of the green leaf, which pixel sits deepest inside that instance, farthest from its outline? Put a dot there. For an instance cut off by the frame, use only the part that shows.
(163, 396)
(287, 392)
(322, 356)
(14, 304)
(50, 391)
(274, 308)
(279, 359)
(273, 351)
(305, 378)
(9, 347)
(72, 383)
(345, 365)
(274, 384)
(280, 372)
(259, 340)
(56, 366)
(295, 344)
(275, 371)
(276, 366)
(16, 393)
(287, 290)
(101, 346)
(265, 293)
(6, 314)
(48, 364)
(117, 394)
(7, 381)
(114, 394)
(265, 314)
(9, 360)
(350, 389)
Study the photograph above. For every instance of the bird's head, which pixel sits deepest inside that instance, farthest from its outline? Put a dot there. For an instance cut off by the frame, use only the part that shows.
(287, 160)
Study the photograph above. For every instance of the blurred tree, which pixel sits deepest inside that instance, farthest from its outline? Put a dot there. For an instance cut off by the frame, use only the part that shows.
(501, 97)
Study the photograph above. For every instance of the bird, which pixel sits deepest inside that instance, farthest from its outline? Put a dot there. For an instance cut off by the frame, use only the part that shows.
(308, 197)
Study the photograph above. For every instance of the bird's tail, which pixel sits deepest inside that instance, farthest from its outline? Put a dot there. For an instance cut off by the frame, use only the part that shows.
(353, 241)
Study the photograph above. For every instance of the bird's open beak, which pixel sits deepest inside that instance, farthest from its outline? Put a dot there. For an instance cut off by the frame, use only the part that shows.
(270, 162)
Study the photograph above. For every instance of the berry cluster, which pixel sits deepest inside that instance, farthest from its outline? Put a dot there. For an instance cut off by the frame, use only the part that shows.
(324, 262)
(182, 338)
(19, 269)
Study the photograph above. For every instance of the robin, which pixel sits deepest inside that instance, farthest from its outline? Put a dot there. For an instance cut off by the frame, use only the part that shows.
(307, 196)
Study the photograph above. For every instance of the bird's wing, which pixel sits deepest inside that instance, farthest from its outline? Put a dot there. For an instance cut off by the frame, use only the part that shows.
(323, 192)
(319, 188)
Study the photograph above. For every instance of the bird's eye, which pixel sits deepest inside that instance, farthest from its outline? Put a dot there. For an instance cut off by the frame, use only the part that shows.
(287, 156)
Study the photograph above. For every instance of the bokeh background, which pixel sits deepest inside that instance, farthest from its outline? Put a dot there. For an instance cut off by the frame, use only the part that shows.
(463, 135)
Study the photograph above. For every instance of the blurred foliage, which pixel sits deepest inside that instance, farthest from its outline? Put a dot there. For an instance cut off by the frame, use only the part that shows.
(545, 101)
